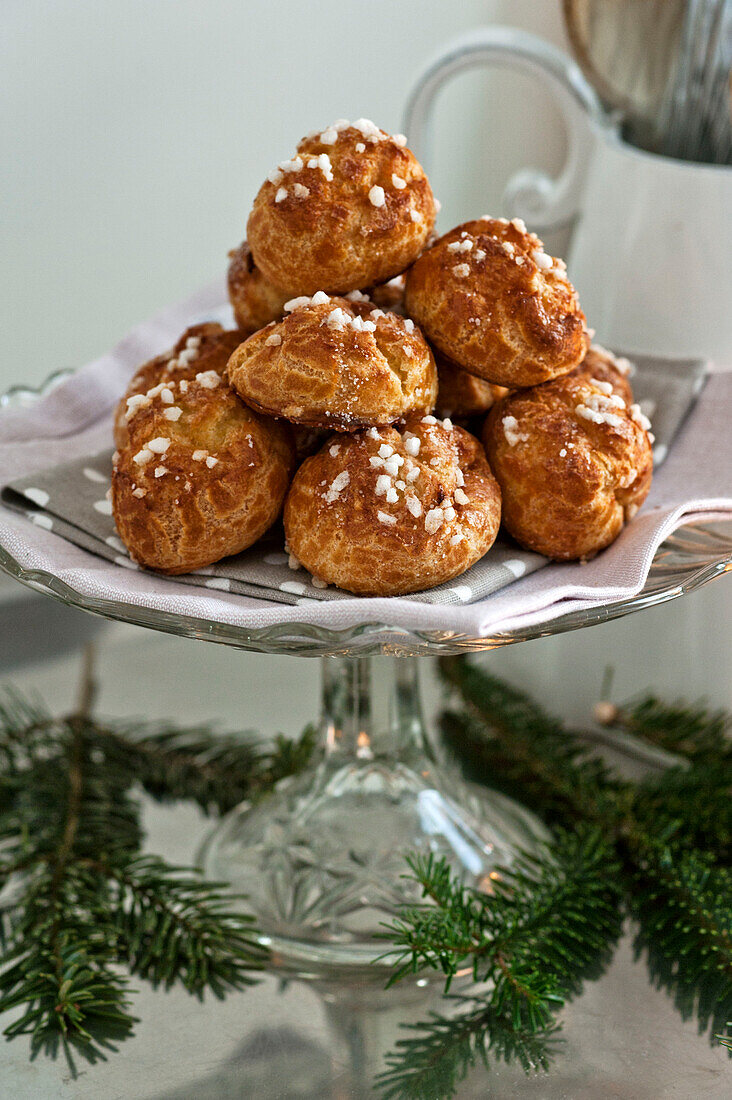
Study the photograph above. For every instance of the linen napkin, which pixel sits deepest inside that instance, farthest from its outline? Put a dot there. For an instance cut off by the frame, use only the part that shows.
(55, 464)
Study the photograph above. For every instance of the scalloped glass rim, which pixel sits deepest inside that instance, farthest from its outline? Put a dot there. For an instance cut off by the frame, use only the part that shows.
(689, 558)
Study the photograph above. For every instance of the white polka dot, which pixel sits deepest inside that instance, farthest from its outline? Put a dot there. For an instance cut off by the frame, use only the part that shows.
(295, 587)
(306, 599)
(219, 582)
(276, 559)
(125, 562)
(41, 520)
(659, 453)
(103, 506)
(116, 544)
(463, 592)
(518, 568)
(94, 475)
(38, 496)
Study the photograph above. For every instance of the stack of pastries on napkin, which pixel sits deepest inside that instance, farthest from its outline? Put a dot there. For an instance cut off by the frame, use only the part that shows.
(364, 345)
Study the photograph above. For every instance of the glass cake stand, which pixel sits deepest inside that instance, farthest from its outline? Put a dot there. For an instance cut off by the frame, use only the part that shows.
(321, 858)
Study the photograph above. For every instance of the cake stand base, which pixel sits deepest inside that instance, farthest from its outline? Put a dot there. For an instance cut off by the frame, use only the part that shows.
(321, 860)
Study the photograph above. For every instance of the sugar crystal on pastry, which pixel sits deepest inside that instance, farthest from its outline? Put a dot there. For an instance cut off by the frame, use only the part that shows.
(602, 369)
(392, 526)
(511, 431)
(582, 469)
(339, 363)
(506, 312)
(163, 378)
(356, 210)
(233, 467)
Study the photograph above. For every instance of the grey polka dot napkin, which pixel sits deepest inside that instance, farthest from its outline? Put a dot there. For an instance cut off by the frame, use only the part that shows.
(70, 500)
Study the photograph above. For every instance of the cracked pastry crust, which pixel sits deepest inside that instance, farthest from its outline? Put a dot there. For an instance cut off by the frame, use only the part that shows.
(461, 394)
(601, 364)
(352, 208)
(200, 348)
(488, 296)
(393, 510)
(254, 299)
(574, 464)
(336, 363)
(189, 491)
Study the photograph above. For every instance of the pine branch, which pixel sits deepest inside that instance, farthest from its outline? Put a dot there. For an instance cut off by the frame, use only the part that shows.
(67, 810)
(174, 926)
(684, 904)
(67, 784)
(672, 833)
(692, 802)
(59, 967)
(201, 764)
(437, 1057)
(509, 741)
(79, 900)
(547, 925)
(689, 729)
(691, 805)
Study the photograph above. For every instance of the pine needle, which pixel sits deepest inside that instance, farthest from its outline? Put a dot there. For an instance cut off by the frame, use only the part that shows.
(79, 901)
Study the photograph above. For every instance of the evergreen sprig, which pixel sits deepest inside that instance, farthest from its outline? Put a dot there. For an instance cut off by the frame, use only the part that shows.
(683, 902)
(505, 738)
(77, 900)
(201, 764)
(438, 1054)
(535, 933)
(669, 832)
(690, 729)
(692, 800)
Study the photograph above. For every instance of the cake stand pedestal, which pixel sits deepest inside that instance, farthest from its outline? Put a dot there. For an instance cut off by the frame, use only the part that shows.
(322, 859)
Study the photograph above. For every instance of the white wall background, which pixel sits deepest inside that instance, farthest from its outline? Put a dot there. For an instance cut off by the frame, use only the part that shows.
(135, 134)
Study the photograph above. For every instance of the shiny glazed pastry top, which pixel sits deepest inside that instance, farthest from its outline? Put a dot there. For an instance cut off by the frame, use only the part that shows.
(336, 363)
(574, 463)
(352, 208)
(491, 299)
(200, 348)
(393, 510)
(200, 477)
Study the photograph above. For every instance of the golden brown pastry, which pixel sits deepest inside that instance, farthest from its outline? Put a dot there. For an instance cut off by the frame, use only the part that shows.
(460, 393)
(200, 348)
(201, 476)
(255, 301)
(601, 364)
(574, 464)
(352, 208)
(489, 297)
(388, 511)
(336, 363)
